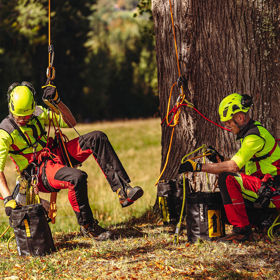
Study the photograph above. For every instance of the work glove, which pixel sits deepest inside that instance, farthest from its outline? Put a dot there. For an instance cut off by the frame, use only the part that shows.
(50, 93)
(214, 155)
(10, 204)
(190, 166)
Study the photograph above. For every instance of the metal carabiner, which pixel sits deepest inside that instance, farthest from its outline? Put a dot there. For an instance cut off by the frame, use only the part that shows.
(50, 73)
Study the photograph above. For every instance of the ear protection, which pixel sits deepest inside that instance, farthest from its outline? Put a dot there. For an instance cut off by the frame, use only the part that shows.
(16, 84)
(246, 100)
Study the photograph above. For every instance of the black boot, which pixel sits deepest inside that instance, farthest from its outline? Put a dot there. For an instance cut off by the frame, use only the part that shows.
(239, 234)
(95, 231)
(127, 195)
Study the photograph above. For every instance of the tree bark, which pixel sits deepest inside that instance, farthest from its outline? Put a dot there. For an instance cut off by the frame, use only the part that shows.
(224, 47)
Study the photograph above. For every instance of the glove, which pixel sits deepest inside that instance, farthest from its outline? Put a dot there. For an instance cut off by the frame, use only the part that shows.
(190, 166)
(214, 155)
(50, 93)
(10, 204)
(182, 82)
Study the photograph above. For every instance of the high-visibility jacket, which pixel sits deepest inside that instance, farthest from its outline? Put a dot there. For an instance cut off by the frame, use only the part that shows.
(22, 143)
(259, 152)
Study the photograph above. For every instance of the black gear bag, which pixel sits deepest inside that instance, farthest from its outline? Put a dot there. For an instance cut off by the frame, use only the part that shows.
(32, 231)
(170, 197)
(204, 215)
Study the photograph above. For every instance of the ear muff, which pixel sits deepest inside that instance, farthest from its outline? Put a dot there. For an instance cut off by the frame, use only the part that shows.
(246, 100)
(30, 86)
(10, 89)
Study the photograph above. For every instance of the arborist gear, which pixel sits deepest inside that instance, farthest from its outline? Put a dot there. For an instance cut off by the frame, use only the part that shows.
(50, 96)
(127, 195)
(10, 204)
(233, 104)
(239, 234)
(190, 166)
(21, 99)
(214, 155)
(23, 143)
(259, 151)
(270, 187)
(95, 231)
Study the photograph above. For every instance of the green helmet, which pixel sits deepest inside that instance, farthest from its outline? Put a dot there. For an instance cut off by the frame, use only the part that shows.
(21, 101)
(233, 104)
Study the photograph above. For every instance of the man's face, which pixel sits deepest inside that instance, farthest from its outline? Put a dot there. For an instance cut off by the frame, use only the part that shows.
(22, 120)
(234, 124)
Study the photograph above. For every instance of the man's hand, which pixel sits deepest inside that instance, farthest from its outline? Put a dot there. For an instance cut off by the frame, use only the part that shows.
(190, 166)
(214, 156)
(10, 204)
(50, 93)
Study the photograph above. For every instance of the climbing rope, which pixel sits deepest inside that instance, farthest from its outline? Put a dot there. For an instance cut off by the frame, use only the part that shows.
(270, 230)
(181, 101)
(50, 69)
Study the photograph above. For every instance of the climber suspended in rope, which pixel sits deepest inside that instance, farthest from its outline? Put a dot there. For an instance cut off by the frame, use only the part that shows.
(49, 163)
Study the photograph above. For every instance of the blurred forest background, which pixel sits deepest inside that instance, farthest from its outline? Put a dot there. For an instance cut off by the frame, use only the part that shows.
(104, 54)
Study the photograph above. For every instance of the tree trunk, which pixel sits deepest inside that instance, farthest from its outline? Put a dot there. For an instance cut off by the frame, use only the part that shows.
(224, 47)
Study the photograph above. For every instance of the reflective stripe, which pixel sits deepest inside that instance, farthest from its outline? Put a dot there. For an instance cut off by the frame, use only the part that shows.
(247, 194)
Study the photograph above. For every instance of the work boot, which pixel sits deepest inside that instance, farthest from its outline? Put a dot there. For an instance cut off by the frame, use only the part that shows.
(239, 234)
(95, 231)
(127, 195)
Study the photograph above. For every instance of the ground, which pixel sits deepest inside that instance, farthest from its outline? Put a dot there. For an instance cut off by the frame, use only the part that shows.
(144, 248)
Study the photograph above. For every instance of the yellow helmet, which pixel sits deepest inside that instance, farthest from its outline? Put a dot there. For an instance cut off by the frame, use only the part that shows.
(21, 99)
(233, 104)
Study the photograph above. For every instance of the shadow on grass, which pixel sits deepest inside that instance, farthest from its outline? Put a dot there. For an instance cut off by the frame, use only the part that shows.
(69, 241)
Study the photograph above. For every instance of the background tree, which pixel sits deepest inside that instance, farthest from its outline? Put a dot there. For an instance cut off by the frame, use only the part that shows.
(224, 47)
(104, 55)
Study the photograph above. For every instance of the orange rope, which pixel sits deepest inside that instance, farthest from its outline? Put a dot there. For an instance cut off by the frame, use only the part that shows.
(49, 31)
(180, 100)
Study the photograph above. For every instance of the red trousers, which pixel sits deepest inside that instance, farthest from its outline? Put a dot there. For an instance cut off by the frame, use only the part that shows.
(234, 188)
(54, 174)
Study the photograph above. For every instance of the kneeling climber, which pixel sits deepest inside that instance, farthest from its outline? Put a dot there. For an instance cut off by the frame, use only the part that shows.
(23, 138)
(259, 155)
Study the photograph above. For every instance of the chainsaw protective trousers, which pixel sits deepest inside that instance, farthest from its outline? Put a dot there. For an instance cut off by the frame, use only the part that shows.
(234, 188)
(56, 175)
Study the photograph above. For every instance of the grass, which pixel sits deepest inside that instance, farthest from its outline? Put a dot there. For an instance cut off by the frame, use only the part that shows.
(143, 248)
(137, 143)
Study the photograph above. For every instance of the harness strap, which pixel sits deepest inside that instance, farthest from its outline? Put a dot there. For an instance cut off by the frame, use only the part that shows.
(35, 133)
(256, 159)
(14, 124)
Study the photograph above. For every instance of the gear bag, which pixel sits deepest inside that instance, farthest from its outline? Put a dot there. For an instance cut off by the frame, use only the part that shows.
(204, 215)
(170, 197)
(32, 231)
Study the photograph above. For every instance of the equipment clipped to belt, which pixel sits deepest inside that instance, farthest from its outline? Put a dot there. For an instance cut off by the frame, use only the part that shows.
(270, 187)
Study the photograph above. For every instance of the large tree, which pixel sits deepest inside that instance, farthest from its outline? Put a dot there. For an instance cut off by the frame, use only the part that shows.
(223, 47)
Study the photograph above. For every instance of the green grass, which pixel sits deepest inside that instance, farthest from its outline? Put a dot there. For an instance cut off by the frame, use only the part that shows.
(137, 143)
(144, 248)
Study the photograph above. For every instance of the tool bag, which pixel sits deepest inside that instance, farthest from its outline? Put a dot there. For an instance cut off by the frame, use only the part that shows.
(170, 197)
(32, 231)
(204, 215)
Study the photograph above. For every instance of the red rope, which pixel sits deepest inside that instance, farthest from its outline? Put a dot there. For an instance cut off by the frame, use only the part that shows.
(176, 108)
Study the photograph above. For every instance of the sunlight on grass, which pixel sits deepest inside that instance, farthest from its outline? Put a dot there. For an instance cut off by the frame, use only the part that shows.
(137, 143)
